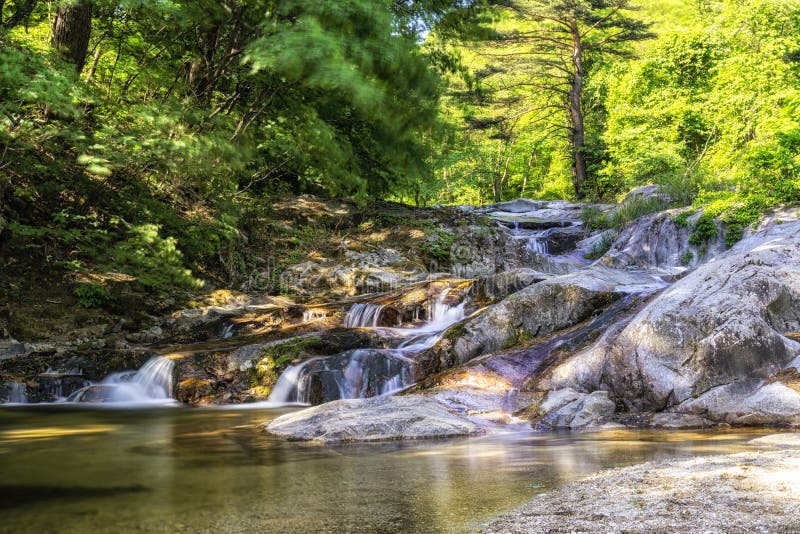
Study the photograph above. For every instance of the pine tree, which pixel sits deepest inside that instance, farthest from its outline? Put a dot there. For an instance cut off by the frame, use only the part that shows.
(553, 47)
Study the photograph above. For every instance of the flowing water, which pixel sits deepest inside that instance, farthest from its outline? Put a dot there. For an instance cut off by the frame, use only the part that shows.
(71, 468)
(150, 384)
(362, 373)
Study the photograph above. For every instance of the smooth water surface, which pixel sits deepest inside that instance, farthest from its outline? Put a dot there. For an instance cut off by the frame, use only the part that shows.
(73, 469)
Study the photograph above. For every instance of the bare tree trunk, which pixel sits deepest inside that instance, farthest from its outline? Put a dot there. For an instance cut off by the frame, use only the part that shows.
(577, 137)
(72, 27)
(93, 64)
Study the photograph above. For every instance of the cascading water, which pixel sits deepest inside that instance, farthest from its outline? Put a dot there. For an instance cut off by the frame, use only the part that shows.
(150, 384)
(363, 315)
(17, 392)
(313, 315)
(365, 373)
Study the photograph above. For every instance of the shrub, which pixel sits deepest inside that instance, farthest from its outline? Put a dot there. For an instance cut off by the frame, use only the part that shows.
(92, 295)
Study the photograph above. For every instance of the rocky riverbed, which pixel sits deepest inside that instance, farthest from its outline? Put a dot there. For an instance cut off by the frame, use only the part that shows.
(756, 491)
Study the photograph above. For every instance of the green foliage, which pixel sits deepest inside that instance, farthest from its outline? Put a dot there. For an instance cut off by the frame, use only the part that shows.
(594, 219)
(155, 261)
(439, 244)
(681, 220)
(687, 257)
(601, 246)
(704, 230)
(92, 295)
(634, 208)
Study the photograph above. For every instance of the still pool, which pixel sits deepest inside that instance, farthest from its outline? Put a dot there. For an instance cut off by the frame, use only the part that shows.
(65, 469)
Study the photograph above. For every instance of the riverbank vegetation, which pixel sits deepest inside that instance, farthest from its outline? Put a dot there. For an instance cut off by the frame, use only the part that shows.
(143, 141)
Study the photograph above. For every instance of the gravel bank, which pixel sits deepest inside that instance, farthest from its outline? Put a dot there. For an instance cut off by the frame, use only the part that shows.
(756, 491)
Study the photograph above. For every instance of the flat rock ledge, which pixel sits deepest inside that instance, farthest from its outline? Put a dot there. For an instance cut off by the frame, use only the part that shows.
(375, 419)
(747, 492)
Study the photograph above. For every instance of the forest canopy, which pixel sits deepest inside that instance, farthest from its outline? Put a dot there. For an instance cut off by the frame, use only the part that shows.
(143, 135)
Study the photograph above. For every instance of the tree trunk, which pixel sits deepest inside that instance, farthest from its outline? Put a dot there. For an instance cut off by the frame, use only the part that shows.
(72, 27)
(577, 137)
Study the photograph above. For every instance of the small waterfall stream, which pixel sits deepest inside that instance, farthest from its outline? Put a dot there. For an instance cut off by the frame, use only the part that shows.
(363, 316)
(17, 392)
(150, 384)
(365, 373)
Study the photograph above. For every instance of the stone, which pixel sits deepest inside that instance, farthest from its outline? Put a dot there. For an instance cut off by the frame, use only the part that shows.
(541, 309)
(11, 348)
(789, 440)
(678, 420)
(657, 241)
(374, 419)
(570, 410)
(707, 345)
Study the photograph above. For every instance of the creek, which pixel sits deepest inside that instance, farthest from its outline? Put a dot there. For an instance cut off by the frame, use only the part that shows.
(72, 468)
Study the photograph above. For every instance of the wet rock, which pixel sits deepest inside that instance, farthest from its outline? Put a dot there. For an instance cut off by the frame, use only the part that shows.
(573, 410)
(678, 420)
(540, 309)
(708, 345)
(563, 240)
(376, 419)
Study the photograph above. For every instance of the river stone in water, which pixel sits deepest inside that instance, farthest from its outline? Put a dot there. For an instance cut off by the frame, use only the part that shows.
(375, 419)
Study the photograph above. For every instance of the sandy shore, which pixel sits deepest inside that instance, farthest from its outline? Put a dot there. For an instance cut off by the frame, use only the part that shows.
(756, 491)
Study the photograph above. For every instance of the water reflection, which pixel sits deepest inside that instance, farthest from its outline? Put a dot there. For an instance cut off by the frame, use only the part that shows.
(192, 470)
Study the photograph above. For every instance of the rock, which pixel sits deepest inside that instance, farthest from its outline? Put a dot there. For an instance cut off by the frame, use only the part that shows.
(659, 241)
(537, 310)
(573, 410)
(11, 348)
(375, 419)
(678, 420)
(782, 441)
(648, 192)
(756, 491)
(506, 283)
(707, 345)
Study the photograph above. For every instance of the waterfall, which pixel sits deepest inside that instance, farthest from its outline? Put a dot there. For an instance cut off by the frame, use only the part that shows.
(227, 331)
(354, 374)
(363, 315)
(313, 315)
(537, 244)
(17, 393)
(151, 383)
(365, 373)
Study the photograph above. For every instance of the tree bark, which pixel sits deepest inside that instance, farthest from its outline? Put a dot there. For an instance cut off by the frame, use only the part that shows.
(577, 137)
(72, 27)
(23, 11)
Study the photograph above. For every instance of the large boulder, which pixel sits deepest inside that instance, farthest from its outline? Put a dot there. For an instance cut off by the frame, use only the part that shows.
(662, 241)
(537, 310)
(712, 344)
(374, 419)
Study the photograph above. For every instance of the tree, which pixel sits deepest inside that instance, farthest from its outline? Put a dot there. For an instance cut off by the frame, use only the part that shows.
(72, 27)
(22, 11)
(553, 42)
